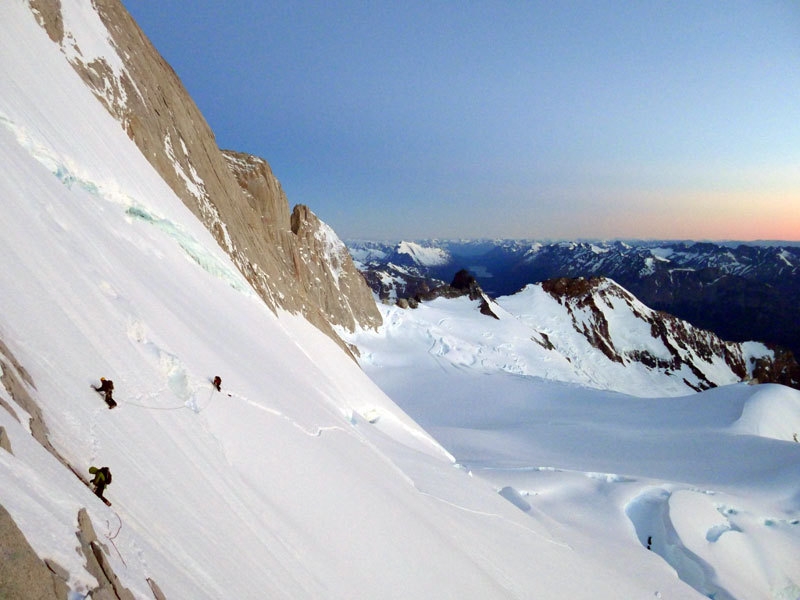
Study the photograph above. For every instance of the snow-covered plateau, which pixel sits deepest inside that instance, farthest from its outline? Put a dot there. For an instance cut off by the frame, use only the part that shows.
(440, 467)
(708, 482)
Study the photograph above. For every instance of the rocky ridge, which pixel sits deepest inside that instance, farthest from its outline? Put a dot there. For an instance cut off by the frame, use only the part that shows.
(463, 284)
(625, 332)
(590, 304)
(235, 195)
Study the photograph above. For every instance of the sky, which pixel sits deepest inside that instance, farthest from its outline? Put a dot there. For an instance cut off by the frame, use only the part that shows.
(546, 120)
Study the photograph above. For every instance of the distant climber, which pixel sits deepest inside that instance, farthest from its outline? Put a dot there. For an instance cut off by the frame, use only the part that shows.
(107, 389)
(102, 478)
(649, 542)
(218, 383)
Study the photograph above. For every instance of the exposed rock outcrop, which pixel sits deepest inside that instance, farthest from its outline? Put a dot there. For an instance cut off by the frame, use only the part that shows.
(108, 584)
(18, 383)
(5, 443)
(588, 303)
(741, 292)
(339, 287)
(235, 195)
(463, 284)
(24, 576)
(783, 368)
(308, 260)
(157, 593)
(48, 15)
(22, 573)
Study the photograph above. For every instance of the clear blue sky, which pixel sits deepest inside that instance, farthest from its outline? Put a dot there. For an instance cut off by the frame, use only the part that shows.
(550, 120)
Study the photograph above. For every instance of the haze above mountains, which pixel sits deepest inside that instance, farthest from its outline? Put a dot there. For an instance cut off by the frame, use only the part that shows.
(545, 444)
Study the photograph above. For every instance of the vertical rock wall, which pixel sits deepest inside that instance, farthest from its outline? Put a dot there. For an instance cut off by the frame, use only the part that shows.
(236, 196)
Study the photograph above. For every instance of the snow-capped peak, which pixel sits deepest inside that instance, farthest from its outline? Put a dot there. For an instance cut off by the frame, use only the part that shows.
(423, 255)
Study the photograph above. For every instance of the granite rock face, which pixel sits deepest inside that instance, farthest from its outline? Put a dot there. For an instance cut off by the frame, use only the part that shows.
(335, 283)
(23, 575)
(236, 196)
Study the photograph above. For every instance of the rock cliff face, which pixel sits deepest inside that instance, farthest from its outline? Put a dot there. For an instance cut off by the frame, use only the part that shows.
(336, 285)
(296, 262)
(463, 284)
(22, 573)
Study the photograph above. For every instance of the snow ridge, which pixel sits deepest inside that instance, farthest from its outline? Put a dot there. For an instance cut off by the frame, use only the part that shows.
(421, 255)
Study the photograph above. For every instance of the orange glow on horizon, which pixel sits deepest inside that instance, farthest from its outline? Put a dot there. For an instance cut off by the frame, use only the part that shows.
(705, 216)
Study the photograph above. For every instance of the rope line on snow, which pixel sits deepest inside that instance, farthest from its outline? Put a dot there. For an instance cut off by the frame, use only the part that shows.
(293, 422)
(129, 403)
(184, 405)
(496, 516)
(111, 538)
(318, 433)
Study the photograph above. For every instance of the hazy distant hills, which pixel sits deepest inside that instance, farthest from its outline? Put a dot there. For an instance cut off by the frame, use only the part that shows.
(740, 291)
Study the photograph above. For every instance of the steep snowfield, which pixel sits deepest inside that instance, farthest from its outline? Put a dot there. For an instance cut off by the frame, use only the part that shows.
(301, 479)
(713, 479)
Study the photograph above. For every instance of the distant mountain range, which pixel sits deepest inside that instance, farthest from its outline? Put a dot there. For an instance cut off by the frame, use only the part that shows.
(739, 291)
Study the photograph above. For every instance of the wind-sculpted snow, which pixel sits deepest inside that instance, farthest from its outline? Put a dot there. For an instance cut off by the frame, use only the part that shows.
(708, 480)
(769, 413)
(70, 174)
(692, 529)
(194, 250)
(649, 514)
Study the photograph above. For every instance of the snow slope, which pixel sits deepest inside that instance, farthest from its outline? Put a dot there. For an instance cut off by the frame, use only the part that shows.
(627, 329)
(301, 479)
(713, 479)
(426, 256)
(538, 335)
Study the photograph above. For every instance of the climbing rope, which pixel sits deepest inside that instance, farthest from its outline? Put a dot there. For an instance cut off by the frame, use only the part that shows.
(154, 407)
(111, 538)
(182, 406)
(208, 403)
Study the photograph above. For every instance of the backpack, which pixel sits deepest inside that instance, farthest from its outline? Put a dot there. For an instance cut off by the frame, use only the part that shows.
(107, 473)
